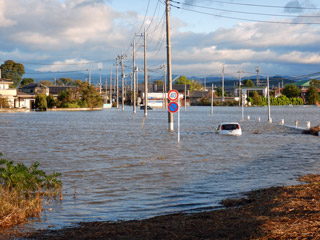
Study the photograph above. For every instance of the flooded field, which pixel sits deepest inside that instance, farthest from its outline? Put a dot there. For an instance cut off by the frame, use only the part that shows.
(117, 166)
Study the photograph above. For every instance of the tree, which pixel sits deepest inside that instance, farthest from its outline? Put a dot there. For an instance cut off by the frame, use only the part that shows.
(41, 102)
(158, 82)
(291, 90)
(50, 101)
(256, 99)
(315, 82)
(312, 95)
(75, 83)
(13, 71)
(248, 83)
(47, 83)
(219, 92)
(26, 81)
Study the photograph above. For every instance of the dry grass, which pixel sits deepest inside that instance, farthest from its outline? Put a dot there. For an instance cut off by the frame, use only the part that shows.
(17, 207)
(274, 213)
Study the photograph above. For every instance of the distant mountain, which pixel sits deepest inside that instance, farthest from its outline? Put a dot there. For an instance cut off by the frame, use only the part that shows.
(95, 78)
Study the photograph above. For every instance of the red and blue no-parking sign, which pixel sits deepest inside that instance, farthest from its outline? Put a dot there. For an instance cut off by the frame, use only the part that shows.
(173, 107)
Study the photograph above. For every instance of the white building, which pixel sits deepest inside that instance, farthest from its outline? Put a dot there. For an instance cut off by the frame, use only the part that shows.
(7, 92)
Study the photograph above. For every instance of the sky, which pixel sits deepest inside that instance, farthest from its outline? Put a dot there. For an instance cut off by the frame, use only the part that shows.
(281, 37)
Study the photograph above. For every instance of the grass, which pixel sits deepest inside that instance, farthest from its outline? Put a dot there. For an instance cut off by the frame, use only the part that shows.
(22, 190)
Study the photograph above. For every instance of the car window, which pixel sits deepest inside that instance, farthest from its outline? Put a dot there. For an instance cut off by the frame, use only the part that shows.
(230, 127)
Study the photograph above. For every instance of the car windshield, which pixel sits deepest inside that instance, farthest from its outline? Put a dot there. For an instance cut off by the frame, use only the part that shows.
(230, 127)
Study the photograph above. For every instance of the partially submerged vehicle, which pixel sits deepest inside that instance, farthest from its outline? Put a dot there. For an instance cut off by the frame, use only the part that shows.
(229, 128)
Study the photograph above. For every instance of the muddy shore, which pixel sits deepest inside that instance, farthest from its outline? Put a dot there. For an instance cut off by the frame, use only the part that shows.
(291, 212)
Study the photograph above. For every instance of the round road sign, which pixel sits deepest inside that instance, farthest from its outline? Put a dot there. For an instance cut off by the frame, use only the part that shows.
(173, 107)
(173, 95)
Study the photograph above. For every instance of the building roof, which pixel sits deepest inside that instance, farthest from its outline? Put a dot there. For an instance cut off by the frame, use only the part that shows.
(56, 89)
(303, 83)
(33, 85)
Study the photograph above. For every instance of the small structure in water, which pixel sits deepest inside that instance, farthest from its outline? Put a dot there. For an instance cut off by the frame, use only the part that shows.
(313, 131)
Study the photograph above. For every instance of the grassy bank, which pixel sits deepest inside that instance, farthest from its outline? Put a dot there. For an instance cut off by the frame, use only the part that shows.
(22, 190)
(274, 213)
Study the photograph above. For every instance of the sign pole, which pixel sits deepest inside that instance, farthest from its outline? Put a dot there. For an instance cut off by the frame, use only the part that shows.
(179, 120)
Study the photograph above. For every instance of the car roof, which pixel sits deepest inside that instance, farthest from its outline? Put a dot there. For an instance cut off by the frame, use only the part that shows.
(224, 123)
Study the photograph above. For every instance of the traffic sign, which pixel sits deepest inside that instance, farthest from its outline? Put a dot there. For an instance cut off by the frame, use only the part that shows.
(173, 95)
(173, 107)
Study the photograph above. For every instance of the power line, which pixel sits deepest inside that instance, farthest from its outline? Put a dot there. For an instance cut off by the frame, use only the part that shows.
(242, 12)
(265, 6)
(245, 19)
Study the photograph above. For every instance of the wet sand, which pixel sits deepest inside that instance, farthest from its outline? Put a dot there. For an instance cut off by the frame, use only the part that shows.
(291, 212)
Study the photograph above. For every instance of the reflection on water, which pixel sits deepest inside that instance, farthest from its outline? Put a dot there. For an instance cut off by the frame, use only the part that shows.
(116, 166)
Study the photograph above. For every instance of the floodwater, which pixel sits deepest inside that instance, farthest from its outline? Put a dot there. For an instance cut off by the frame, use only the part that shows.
(116, 165)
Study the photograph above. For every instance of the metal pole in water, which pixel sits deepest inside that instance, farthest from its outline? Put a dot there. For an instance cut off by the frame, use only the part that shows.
(269, 111)
(179, 119)
(185, 97)
(212, 99)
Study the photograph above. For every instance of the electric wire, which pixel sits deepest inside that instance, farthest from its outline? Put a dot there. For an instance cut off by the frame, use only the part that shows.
(265, 6)
(246, 19)
(242, 12)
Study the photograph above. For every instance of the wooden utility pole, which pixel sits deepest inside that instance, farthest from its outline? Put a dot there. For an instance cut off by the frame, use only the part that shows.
(145, 76)
(170, 115)
(111, 85)
(117, 79)
(122, 57)
(222, 83)
(134, 76)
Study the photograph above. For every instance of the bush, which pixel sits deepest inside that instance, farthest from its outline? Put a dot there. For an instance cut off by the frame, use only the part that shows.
(22, 190)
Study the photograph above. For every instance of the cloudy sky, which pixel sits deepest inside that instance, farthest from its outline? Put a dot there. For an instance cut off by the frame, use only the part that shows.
(280, 36)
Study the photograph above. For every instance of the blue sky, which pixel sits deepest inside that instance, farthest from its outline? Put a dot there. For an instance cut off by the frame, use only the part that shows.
(74, 35)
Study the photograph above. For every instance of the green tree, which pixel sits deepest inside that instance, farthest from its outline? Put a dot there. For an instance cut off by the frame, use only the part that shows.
(248, 83)
(41, 102)
(75, 83)
(312, 95)
(51, 101)
(47, 83)
(158, 82)
(13, 71)
(90, 96)
(64, 98)
(315, 82)
(183, 80)
(26, 81)
(219, 92)
(291, 90)
(256, 99)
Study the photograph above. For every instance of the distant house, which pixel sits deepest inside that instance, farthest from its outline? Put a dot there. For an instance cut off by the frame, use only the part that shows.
(35, 89)
(55, 90)
(7, 92)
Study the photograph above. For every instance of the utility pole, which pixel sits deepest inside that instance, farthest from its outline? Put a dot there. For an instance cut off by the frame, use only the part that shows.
(145, 76)
(258, 75)
(100, 83)
(89, 76)
(240, 85)
(269, 111)
(222, 82)
(165, 102)
(117, 79)
(122, 57)
(111, 86)
(170, 115)
(134, 75)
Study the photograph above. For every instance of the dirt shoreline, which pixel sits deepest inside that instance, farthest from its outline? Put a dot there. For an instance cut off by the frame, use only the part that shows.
(291, 212)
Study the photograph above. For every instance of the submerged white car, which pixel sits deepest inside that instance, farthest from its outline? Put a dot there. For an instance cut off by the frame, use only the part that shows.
(229, 128)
